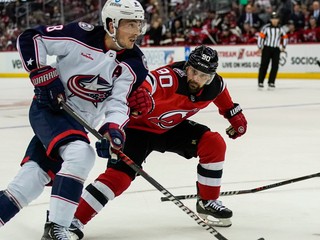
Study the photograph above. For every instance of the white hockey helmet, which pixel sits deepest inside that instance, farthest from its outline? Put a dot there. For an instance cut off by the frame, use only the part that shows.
(122, 9)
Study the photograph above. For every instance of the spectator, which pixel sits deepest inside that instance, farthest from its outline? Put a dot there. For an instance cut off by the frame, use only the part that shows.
(171, 18)
(177, 33)
(285, 11)
(156, 32)
(249, 34)
(5, 18)
(294, 35)
(249, 16)
(264, 14)
(152, 10)
(216, 21)
(312, 34)
(297, 17)
(10, 47)
(226, 37)
(212, 20)
(234, 29)
(306, 14)
(56, 16)
(167, 39)
(196, 36)
(316, 11)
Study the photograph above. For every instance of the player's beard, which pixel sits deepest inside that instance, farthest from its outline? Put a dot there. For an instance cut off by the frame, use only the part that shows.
(193, 87)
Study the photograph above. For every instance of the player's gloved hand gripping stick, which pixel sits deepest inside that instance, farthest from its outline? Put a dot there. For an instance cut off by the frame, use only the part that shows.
(237, 120)
(47, 86)
(111, 143)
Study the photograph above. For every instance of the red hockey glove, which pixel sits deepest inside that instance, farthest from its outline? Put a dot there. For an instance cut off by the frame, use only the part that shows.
(237, 120)
(112, 142)
(47, 86)
(141, 102)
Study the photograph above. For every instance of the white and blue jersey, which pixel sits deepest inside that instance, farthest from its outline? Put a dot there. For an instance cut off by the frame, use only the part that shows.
(97, 80)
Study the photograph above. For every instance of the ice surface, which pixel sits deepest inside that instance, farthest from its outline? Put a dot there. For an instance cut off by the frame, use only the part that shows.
(282, 142)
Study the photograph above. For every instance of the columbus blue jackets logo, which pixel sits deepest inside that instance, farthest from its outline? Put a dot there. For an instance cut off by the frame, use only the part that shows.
(91, 88)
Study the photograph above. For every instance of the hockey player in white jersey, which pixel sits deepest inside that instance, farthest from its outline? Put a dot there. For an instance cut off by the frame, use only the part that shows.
(95, 71)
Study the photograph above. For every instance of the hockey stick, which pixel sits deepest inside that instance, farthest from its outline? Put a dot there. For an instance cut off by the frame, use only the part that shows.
(253, 190)
(146, 176)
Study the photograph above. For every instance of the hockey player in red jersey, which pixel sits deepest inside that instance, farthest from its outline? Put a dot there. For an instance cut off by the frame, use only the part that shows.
(97, 67)
(179, 91)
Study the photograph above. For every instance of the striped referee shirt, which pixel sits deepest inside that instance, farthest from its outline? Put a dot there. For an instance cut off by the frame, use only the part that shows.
(272, 36)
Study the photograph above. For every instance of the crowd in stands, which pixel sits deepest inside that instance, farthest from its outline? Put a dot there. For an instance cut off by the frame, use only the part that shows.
(173, 22)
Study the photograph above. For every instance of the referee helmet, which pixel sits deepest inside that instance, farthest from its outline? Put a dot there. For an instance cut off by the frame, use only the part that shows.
(274, 15)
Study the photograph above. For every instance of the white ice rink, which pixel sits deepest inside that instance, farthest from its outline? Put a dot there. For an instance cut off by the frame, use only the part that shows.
(282, 142)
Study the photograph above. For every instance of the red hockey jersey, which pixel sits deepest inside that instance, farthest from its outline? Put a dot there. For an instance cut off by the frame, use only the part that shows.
(174, 103)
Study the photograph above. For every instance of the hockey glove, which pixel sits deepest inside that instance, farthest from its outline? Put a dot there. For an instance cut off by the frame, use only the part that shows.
(141, 102)
(237, 120)
(112, 142)
(47, 86)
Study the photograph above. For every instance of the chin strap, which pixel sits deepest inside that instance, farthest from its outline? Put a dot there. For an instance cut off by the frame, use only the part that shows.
(114, 38)
(116, 42)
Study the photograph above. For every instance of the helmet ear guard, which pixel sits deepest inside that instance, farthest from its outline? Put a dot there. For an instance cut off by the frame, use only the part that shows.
(204, 59)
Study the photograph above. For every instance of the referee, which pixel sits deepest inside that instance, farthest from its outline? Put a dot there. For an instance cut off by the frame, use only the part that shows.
(271, 36)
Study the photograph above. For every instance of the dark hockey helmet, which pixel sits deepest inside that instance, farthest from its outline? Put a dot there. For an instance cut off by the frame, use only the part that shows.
(204, 59)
